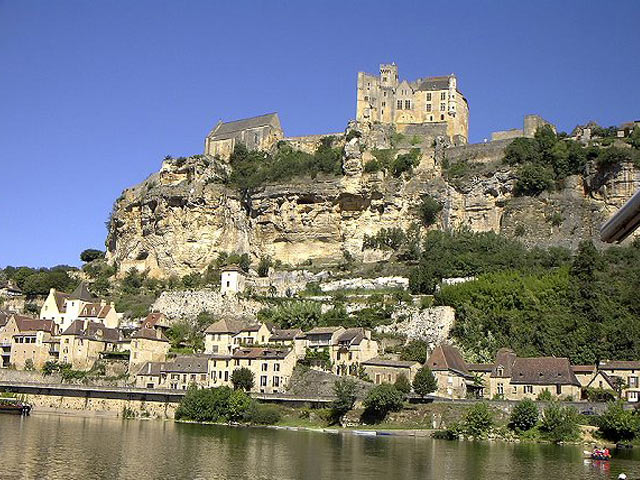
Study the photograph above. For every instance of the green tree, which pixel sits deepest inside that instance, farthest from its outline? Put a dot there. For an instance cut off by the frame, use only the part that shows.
(91, 254)
(381, 400)
(264, 266)
(403, 384)
(559, 423)
(524, 416)
(429, 210)
(242, 379)
(424, 382)
(533, 179)
(415, 351)
(478, 420)
(345, 391)
(617, 424)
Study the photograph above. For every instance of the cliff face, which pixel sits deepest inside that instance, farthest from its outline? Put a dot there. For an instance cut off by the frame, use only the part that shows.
(179, 219)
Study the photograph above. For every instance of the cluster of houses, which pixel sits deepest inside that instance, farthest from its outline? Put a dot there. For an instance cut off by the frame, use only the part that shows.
(79, 329)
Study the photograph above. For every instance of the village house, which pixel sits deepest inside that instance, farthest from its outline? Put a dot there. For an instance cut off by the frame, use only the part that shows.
(380, 370)
(185, 371)
(626, 373)
(156, 320)
(24, 341)
(451, 372)
(9, 289)
(323, 337)
(220, 370)
(272, 368)
(83, 343)
(150, 375)
(293, 337)
(147, 345)
(100, 313)
(232, 280)
(584, 374)
(352, 347)
(601, 381)
(229, 333)
(482, 376)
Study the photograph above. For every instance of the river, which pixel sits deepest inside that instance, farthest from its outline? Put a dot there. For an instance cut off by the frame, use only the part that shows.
(63, 447)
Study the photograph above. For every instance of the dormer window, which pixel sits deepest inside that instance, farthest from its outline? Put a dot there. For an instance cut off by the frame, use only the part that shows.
(500, 372)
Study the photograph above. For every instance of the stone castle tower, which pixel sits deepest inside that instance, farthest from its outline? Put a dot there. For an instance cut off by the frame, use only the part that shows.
(434, 103)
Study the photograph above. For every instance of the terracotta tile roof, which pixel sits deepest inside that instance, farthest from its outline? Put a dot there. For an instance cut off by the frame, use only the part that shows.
(284, 335)
(149, 334)
(156, 319)
(383, 362)
(619, 365)
(543, 371)
(95, 310)
(93, 331)
(447, 357)
(261, 353)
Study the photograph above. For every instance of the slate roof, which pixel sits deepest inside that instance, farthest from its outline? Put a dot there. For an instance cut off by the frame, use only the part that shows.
(149, 334)
(28, 324)
(261, 353)
(82, 293)
(233, 325)
(322, 330)
(187, 364)
(543, 371)
(383, 362)
(151, 368)
(480, 367)
(93, 331)
(619, 365)
(285, 334)
(447, 357)
(225, 130)
(434, 83)
(352, 336)
(504, 359)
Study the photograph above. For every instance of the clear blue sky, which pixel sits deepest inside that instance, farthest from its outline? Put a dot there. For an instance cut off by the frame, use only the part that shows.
(94, 94)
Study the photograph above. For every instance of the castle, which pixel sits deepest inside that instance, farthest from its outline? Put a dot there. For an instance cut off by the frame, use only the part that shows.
(428, 107)
(425, 105)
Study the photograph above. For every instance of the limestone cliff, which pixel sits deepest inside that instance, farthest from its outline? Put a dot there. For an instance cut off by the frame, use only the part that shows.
(179, 219)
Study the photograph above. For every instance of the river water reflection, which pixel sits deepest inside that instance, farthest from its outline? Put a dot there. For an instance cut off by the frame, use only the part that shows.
(56, 447)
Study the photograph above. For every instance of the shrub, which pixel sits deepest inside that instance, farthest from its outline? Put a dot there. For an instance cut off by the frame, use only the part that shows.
(559, 423)
(353, 134)
(617, 424)
(261, 414)
(264, 266)
(403, 384)
(533, 180)
(293, 314)
(428, 210)
(415, 350)
(524, 416)
(28, 365)
(478, 420)
(424, 382)
(381, 400)
(545, 396)
(345, 391)
(213, 405)
(405, 163)
(242, 379)
(91, 254)
(609, 157)
(386, 239)
(600, 395)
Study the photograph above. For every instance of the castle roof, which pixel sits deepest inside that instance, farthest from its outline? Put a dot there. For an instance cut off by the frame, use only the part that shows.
(224, 130)
(434, 83)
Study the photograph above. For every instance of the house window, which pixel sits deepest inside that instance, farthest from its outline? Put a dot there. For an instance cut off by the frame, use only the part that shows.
(431, 118)
(350, 356)
(384, 104)
(407, 104)
(384, 79)
(633, 382)
(228, 283)
(226, 375)
(428, 97)
(514, 389)
(276, 381)
(428, 107)
(442, 106)
(500, 389)
(384, 94)
(500, 372)
(558, 389)
(441, 117)
(399, 104)
(263, 381)
(265, 366)
(528, 389)
(443, 95)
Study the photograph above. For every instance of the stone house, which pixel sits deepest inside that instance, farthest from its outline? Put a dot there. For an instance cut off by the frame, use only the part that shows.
(451, 372)
(147, 345)
(9, 289)
(256, 133)
(627, 372)
(272, 367)
(482, 377)
(150, 375)
(351, 348)
(584, 374)
(229, 333)
(601, 381)
(220, 370)
(430, 101)
(83, 343)
(293, 337)
(25, 338)
(185, 371)
(380, 370)
(232, 280)
(100, 313)
(323, 337)
(156, 320)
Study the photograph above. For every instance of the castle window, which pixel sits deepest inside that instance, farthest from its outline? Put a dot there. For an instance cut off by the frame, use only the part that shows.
(384, 104)
(366, 98)
(441, 117)
(399, 104)
(443, 95)
(442, 106)
(431, 118)
(255, 138)
(384, 79)
(407, 104)
(384, 94)
(428, 107)
(428, 97)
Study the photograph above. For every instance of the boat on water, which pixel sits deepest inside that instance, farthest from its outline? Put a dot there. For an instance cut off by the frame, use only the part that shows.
(600, 456)
(14, 406)
(365, 433)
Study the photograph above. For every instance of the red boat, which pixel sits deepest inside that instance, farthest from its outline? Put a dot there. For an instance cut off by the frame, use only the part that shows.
(14, 406)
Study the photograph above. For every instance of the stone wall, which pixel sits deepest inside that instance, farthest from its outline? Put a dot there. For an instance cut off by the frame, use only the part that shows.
(309, 143)
(477, 152)
(187, 304)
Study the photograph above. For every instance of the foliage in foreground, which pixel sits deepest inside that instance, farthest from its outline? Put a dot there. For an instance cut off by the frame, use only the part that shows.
(381, 400)
(617, 424)
(524, 416)
(424, 382)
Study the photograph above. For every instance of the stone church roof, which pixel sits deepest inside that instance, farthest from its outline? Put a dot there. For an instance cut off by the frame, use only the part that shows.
(224, 130)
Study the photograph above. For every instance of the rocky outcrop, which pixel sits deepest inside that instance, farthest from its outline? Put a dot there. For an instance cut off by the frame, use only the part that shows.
(365, 283)
(431, 324)
(179, 220)
(188, 304)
